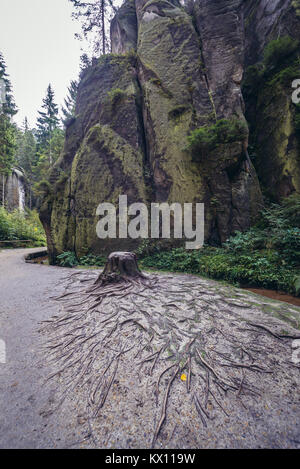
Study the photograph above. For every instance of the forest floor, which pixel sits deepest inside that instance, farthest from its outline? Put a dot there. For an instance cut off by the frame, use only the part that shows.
(181, 362)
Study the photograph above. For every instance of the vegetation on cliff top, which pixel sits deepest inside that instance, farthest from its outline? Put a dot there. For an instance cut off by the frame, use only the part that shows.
(208, 138)
(280, 64)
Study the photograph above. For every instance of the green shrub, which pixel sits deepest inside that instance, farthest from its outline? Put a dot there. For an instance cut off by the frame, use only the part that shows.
(286, 215)
(207, 138)
(280, 65)
(277, 51)
(296, 5)
(268, 255)
(67, 259)
(42, 188)
(18, 225)
(256, 268)
(92, 260)
(116, 95)
(286, 76)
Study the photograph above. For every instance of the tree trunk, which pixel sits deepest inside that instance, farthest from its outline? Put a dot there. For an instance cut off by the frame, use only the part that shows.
(120, 265)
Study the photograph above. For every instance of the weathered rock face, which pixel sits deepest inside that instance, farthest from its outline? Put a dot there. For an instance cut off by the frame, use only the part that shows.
(123, 29)
(185, 87)
(14, 190)
(266, 20)
(273, 141)
(103, 158)
(173, 69)
(269, 107)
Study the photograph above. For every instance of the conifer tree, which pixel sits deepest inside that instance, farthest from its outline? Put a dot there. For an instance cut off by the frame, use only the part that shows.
(8, 106)
(93, 16)
(7, 129)
(47, 122)
(68, 109)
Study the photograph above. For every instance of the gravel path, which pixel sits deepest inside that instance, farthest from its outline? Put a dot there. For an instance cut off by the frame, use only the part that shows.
(24, 301)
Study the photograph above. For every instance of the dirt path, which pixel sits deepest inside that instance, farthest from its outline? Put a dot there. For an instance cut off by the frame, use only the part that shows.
(24, 301)
(219, 336)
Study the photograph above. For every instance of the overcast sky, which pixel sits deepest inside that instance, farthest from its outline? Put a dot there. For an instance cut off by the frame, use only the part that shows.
(38, 44)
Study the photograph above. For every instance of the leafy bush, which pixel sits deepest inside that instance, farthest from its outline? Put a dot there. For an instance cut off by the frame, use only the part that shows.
(116, 95)
(296, 5)
(280, 65)
(42, 188)
(286, 215)
(268, 255)
(286, 75)
(207, 138)
(18, 225)
(277, 51)
(67, 259)
(92, 260)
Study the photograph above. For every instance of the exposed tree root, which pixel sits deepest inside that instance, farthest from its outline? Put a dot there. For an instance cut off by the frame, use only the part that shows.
(161, 327)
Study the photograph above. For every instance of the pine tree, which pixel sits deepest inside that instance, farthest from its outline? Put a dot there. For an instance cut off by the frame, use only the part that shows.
(7, 149)
(47, 122)
(68, 109)
(8, 106)
(44, 161)
(93, 16)
(7, 129)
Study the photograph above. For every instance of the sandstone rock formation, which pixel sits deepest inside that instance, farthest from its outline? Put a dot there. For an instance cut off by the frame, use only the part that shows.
(269, 108)
(173, 68)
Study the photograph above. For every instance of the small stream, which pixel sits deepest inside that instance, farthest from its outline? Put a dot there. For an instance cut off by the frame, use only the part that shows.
(274, 295)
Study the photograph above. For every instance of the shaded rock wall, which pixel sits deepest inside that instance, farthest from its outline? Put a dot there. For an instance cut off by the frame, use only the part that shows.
(269, 107)
(103, 157)
(266, 20)
(123, 29)
(14, 190)
(173, 69)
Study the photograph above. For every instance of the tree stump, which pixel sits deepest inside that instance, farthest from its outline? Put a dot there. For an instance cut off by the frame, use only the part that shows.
(120, 266)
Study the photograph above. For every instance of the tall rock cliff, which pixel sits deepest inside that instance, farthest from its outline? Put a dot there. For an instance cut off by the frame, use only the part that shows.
(173, 69)
(269, 108)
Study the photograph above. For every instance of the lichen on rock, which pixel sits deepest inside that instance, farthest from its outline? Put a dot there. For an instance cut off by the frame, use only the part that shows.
(174, 69)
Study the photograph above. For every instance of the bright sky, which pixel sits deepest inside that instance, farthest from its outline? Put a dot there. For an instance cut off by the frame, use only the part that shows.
(38, 44)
